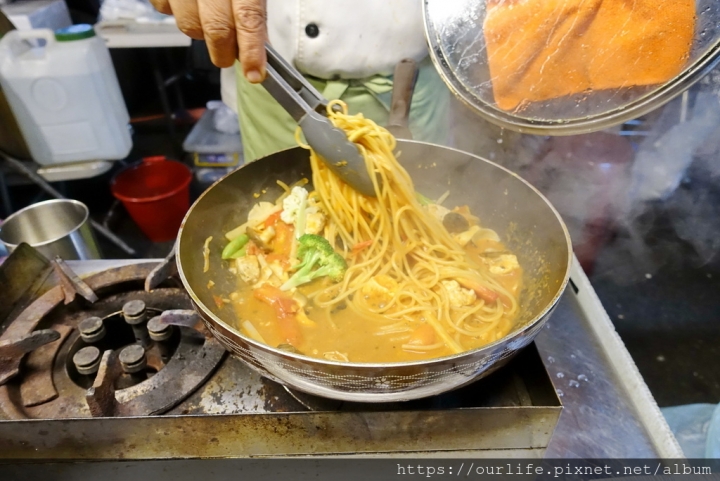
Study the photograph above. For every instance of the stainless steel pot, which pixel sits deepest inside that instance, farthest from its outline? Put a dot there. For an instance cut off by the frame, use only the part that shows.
(523, 218)
(55, 228)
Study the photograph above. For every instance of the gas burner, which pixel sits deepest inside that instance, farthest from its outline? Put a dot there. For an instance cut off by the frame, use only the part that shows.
(124, 342)
(74, 349)
(113, 350)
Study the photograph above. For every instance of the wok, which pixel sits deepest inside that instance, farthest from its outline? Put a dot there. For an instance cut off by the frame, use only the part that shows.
(523, 218)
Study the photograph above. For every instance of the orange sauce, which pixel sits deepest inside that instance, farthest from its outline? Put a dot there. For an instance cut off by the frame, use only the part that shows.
(341, 330)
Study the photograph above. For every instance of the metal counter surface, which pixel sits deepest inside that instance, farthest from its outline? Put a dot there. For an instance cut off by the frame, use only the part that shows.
(608, 410)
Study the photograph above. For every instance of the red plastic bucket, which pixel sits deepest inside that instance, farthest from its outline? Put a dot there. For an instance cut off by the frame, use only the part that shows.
(156, 194)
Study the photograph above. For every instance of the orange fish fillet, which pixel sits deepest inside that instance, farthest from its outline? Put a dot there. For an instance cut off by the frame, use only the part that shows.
(545, 49)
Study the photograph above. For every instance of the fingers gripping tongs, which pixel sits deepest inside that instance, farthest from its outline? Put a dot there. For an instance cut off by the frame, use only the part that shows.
(307, 106)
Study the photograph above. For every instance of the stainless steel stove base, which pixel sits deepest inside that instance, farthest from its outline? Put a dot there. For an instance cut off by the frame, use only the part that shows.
(608, 412)
(514, 409)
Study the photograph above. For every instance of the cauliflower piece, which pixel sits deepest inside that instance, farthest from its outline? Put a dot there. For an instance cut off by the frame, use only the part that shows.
(315, 222)
(292, 203)
(248, 268)
(379, 289)
(502, 264)
(315, 218)
(459, 296)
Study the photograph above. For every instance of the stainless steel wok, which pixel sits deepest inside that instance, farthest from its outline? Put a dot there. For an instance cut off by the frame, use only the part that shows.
(522, 216)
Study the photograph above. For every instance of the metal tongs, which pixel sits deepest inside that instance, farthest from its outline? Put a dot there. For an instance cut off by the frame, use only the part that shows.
(307, 106)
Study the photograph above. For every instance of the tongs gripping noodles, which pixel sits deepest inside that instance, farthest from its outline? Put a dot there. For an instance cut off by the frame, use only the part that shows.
(308, 107)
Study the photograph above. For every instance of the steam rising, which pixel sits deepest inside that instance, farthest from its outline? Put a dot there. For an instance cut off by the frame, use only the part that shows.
(642, 197)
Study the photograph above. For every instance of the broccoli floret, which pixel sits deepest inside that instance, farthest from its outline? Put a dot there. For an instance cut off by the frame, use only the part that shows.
(309, 243)
(314, 250)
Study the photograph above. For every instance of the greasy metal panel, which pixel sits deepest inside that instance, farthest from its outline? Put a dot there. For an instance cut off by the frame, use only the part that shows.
(278, 434)
(599, 420)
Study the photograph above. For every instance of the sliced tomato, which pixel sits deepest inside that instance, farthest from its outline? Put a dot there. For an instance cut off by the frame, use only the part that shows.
(272, 219)
(285, 309)
(282, 302)
(282, 242)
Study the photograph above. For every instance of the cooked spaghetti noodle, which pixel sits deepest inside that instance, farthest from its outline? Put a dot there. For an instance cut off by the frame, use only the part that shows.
(407, 245)
(412, 287)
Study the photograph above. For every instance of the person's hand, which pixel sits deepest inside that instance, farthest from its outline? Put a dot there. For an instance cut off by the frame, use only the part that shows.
(228, 27)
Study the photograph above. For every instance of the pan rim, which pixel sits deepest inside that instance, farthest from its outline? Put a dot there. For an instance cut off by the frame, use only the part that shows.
(207, 313)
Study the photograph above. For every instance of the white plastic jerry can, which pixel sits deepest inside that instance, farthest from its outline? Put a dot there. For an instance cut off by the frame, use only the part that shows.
(65, 95)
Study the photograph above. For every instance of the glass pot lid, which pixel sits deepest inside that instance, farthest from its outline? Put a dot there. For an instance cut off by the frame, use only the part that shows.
(560, 67)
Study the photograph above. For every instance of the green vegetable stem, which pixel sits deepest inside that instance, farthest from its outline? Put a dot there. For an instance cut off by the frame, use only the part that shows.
(235, 246)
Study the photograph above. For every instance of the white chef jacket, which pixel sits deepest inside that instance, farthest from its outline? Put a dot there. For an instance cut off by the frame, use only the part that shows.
(355, 39)
(360, 41)
(349, 39)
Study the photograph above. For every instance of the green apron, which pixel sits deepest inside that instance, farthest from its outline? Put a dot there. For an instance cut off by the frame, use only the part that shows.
(267, 128)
